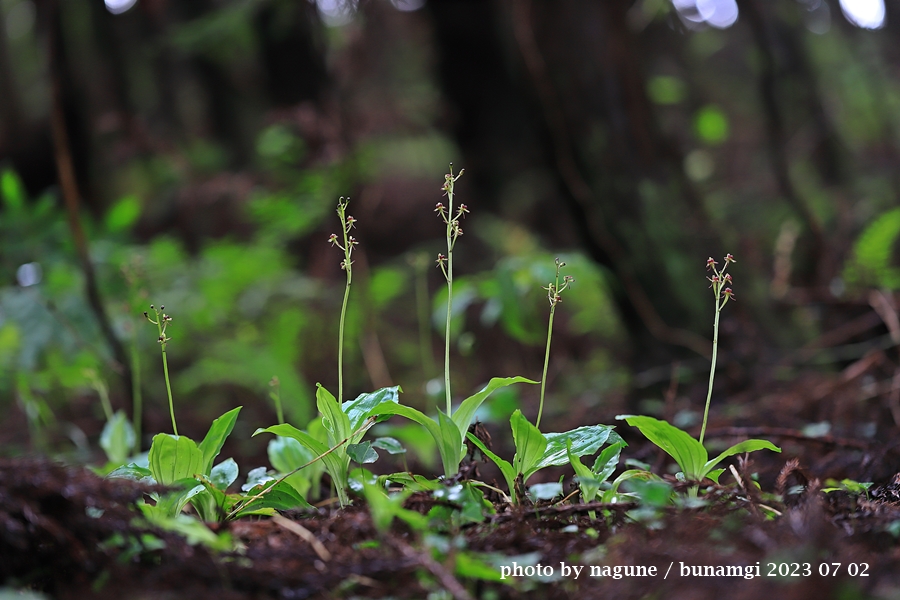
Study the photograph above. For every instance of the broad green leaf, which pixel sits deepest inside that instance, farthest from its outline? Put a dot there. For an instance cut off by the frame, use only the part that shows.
(546, 491)
(133, 472)
(509, 473)
(611, 494)
(389, 444)
(333, 461)
(389, 408)
(715, 474)
(333, 417)
(215, 501)
(740, 448)
(276, 495)
(172, 503)
(257, 476)
(585, 441)
(451, 443)
(215, 437)
(362, 453)
(117, 439)
(224, 474)
(690, 454)
(466, 411)
(173, 458)
(530, 445)
(286, 454)
(416, 483)
(360, 409)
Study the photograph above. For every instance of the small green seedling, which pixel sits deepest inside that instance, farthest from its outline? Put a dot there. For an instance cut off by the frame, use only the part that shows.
(847, 485)
(690, 454)
(536, 450)
(449, 429)
(590, 480)
(345, 424)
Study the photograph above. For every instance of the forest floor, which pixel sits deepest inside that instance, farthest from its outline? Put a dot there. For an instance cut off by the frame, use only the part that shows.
(66, 533)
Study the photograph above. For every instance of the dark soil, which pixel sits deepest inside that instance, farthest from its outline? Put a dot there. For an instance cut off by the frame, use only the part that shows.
(70, 534)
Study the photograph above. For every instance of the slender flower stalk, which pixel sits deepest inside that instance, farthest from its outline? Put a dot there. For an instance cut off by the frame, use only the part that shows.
(275, 395)
(347, 223)
(554, 295)
(719, 282)
(445, 262)
(161, 321)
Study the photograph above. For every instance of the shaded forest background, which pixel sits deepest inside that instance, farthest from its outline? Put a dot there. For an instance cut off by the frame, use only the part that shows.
(192, 153)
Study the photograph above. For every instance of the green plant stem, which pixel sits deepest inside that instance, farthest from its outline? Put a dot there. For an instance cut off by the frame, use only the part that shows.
(447, 330)
(340, 396)
(546, 363)
(712, 369)
(348, 267)
(169, 390)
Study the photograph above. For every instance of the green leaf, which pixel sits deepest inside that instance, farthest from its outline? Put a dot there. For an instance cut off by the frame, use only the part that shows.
(286, 454)
(172, 503)
(740, 448)
(416, 483)
(362, 453)
(530, 444)
(173, 458)
(546, 491)
(466, 411)
(255, 477)
(447, 453)
(509, 473)
(715, 474)
(451, 444)
(360, 409)
(389, 444)
(585, 441)
(224, 474)
(588, 483)
(123, 214)
(117, 439)
(337, 463)
(318, 448)
(132, 472)
(608, 460)
(333, 417)
(279, 495)
(690, 454)
(215, 438)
